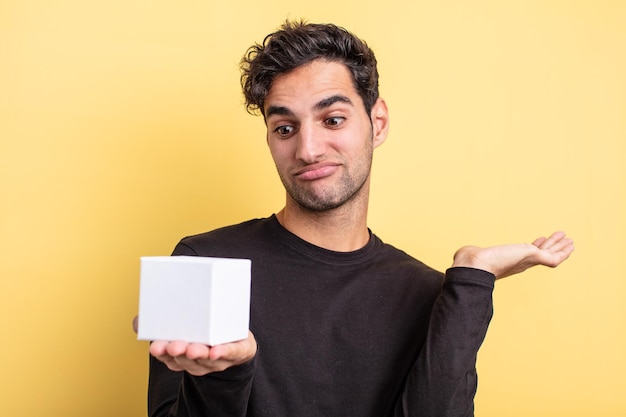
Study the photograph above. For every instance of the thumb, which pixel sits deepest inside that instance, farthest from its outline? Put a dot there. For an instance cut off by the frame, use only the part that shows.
(135, 323)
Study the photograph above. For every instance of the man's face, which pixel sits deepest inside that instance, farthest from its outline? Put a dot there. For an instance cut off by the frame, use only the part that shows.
(320, 136)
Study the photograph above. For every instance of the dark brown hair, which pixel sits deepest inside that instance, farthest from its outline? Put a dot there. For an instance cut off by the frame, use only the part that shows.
(299, 43)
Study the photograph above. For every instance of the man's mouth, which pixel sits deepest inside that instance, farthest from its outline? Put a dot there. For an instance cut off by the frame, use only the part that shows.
(316, 171)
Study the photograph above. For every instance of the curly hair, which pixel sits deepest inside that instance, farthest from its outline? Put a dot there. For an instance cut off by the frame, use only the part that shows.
(298, 43)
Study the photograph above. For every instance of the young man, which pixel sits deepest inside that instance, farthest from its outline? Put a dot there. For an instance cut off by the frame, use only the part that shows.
(341, 323)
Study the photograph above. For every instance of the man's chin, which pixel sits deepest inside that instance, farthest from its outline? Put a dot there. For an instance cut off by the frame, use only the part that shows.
(318, 206)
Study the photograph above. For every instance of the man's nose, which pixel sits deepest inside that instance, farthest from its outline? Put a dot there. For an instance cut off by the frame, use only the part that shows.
(311, 144)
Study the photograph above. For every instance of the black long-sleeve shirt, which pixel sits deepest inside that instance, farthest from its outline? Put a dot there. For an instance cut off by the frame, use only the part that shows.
(372, 332)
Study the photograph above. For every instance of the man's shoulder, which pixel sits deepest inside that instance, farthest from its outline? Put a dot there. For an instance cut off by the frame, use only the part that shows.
(225, 239)
(245, 227)
(399, 259)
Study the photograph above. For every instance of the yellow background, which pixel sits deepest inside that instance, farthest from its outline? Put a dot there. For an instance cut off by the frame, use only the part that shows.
(122, 129)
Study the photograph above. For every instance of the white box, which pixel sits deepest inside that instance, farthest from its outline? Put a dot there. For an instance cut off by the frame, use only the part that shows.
(195, 299)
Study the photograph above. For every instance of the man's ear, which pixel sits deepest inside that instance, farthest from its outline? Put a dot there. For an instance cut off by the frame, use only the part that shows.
(380, 121)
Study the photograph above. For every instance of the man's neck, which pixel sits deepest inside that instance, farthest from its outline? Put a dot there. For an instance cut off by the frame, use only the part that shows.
(341, 229)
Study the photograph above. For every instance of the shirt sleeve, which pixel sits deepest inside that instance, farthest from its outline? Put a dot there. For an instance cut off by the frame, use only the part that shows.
(180, 394)
(443, 381)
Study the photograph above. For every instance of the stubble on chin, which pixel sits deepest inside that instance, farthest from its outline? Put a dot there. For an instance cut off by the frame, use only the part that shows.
(325, 199)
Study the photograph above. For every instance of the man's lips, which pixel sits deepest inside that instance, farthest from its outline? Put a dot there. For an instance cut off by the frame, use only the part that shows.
(317, 171)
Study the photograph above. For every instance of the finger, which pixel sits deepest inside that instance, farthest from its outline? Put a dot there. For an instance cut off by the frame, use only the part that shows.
(539, 241)
(562, 244)
(562, 247)
(174, 356)
(559, 252)
(223, 352)
(177, 348)
(236, 351)
(197, 351)
(566, 248)
(158, 348)
(226, 351)
(198, 367)
(135, 323)
(549, 242)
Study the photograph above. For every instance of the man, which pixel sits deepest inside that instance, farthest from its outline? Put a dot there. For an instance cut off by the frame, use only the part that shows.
(341, 323)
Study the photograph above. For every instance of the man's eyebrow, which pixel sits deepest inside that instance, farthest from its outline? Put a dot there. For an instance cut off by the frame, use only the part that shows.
(278, 110)
(322, 104)
(327, 102)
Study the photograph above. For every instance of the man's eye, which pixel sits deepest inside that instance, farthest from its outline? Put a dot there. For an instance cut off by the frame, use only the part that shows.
(335, 121)
(284, 130)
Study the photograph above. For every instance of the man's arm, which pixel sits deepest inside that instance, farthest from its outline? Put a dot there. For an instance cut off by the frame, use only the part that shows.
(443, 381)
(190, 379)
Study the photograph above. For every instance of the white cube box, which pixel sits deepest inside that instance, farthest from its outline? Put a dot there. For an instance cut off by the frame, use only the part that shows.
(195, 299)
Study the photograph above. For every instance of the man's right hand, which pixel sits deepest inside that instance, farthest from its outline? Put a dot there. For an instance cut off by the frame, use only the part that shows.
(507, 260)
(199, 359)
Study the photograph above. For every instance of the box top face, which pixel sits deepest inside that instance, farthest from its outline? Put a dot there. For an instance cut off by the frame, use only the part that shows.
(191, 259)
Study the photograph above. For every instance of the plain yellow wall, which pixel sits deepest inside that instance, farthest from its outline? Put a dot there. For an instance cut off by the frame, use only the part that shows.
(122, 129)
